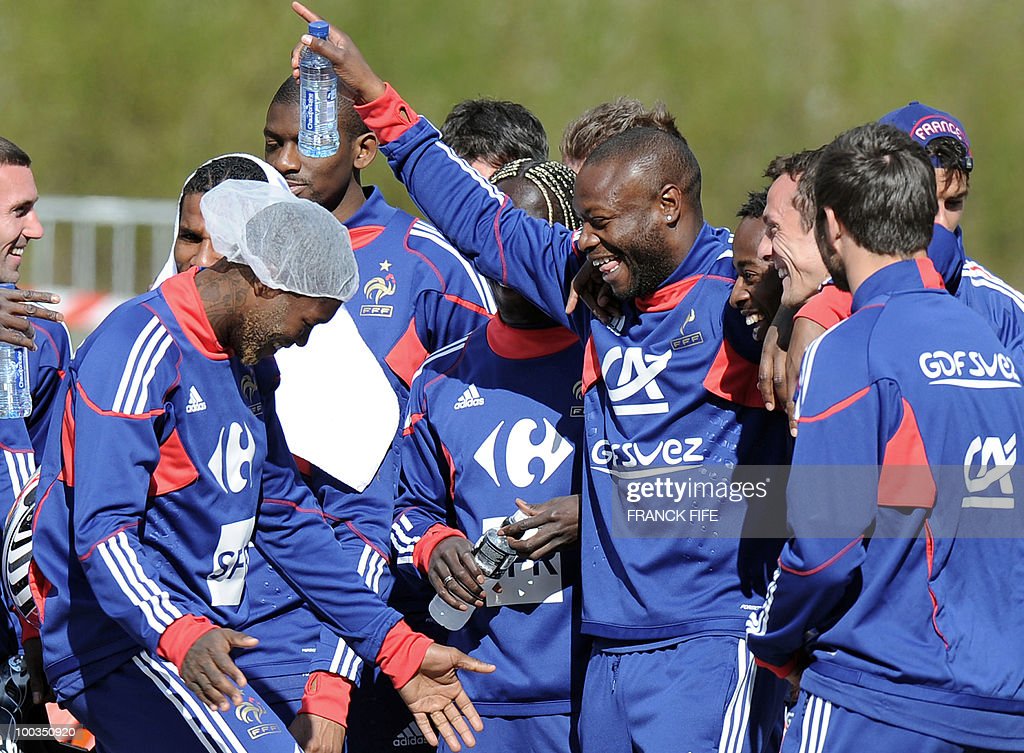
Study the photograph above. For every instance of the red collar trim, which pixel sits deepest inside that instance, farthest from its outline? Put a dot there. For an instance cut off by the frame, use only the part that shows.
(364, 235)
(666, 298)
(929, 275)
(182, 297)
(522, 344)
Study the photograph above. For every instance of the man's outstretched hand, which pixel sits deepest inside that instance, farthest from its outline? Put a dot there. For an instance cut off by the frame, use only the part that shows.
(437, 701)
(15, 306)
(356, 79)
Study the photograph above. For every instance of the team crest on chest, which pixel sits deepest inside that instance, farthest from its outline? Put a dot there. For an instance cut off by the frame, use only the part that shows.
(382, 286)
(688, 340)
(251, 395)
(576, 411)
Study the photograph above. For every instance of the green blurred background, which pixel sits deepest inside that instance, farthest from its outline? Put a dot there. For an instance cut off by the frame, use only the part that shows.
(125, 98)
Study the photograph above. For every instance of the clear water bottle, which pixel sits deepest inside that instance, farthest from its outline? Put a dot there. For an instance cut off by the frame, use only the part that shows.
(318, 112)
(493, 556)
(15, 396)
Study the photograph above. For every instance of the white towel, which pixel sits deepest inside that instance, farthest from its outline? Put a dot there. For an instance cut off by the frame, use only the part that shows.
(335, 403)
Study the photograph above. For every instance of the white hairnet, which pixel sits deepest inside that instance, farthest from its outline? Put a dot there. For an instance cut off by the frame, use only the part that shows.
(289, 243)
(170, 267)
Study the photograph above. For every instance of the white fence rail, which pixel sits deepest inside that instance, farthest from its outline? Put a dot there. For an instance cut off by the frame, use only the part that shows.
(105, 244)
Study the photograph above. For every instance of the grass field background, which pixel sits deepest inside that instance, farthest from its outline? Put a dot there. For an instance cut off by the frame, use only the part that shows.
(126, 98)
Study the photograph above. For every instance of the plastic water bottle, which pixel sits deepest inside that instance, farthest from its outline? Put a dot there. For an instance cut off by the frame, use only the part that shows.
(493, 556)
(15, 395)
(318, 85)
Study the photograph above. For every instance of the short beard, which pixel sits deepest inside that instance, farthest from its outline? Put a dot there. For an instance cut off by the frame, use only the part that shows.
(835, 267)
(647, 276)
(256, 332)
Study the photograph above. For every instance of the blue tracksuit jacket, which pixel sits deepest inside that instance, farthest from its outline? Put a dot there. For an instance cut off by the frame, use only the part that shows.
(901, 582)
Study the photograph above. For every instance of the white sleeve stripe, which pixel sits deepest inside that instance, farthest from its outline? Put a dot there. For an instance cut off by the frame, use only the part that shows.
(423, 230)
(376, 562)
(357, 667)
(378, 575)
(806, 367)
(482, 290)
(211, 720)
(981, 279)
(140, 406)
(347, 664)
(339, 652)
(146, 581)
(445, 350)
(481, 180)
(361, 569)
(139, 372)
(129, 368)
(405, 522)
(125, 555)
(402, 540)
(143, 605)
(211, 742)
(23, 459)
(400, 548)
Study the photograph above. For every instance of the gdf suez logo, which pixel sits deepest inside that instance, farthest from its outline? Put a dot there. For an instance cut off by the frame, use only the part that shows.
(226, 580)
(520, 452)
(637, 371)
(987, 464)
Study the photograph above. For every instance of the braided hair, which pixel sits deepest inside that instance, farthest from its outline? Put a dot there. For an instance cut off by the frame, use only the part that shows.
(554, 181)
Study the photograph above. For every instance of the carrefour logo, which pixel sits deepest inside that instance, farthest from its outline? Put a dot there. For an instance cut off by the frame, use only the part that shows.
(519, 452)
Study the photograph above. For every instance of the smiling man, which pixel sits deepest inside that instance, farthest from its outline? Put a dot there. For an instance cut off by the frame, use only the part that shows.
(757, 290)
(794, 251)
(665, 383)
(171, 465)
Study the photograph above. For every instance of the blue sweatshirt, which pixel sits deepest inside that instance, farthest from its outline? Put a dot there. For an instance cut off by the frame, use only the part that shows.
(663, 389)
(495, 418)
(901, 582)
(168, 464)
(417, 294)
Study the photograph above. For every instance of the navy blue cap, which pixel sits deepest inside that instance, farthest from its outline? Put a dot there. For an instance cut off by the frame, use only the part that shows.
(924, 124)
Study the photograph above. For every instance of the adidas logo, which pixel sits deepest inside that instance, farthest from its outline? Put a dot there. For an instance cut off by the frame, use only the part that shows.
(195, 401)
(409, 736)
(469, 399)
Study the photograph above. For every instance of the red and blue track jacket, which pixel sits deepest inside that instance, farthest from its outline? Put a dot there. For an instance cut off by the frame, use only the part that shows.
(664, 390)
(416, 295)
(495, 418)
(993, 298)
(902, 580)
(22, 440)
(167, 466)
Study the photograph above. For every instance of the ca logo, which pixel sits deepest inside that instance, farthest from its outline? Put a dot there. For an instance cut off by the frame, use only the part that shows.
(230, 456)
(995, 459)
(638, 372)
(520, 452)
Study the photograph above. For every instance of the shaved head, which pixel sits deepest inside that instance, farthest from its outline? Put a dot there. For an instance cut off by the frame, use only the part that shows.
(656, 159)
